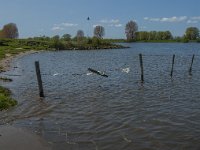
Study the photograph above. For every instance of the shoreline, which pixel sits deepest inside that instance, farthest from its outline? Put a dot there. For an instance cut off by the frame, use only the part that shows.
(12, 137)
(21, 139)
(5, 63)
(6, 100)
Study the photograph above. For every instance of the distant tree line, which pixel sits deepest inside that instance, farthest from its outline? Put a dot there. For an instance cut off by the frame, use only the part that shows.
(132, 34)
(131, 31)
(153, 35)
(66, 41)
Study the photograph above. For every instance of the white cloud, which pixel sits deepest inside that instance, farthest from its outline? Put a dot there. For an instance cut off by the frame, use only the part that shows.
(104, 21)
(96, 25)
(112, 21)
(109, 25)
(57, 28)
(195, 18)
(69, 24)
(174, 19)
(115, 25)
(192, 21)
(118, 25)
(154, 19)
(62, 26)
(151, 19)
(143, 27)
(165, 19)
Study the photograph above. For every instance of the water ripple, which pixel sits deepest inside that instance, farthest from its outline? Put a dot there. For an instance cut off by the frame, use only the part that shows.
(86, 111)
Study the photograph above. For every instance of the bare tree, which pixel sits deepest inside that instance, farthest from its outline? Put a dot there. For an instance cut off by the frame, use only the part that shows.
(1, 34)
(99, 31)
(130, 30)
(10, 31)
(80, 34)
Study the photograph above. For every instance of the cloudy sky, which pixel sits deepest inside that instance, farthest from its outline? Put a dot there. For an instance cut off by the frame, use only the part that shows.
(52, 17)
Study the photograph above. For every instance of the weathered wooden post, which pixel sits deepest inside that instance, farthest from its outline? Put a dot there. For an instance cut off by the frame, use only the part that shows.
(172, 70)
(39, 79)
(190, 70)
(142, 69)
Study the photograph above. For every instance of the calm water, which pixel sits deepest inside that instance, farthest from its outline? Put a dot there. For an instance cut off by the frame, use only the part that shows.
(84, 111)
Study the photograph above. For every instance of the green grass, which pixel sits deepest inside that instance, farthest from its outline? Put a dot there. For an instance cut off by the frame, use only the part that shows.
(5, 100)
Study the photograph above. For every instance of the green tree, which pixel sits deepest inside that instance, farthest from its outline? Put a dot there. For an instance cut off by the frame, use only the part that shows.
(152, 35)
(130, 30)
(192, 33)
(167, 35)
(57, 43)
(66, 37)
(99, 32)
(142, 35)
(56, 37)
(96, 41)
(10, 31)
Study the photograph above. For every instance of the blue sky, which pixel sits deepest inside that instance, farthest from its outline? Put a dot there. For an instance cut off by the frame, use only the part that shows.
(52, 17)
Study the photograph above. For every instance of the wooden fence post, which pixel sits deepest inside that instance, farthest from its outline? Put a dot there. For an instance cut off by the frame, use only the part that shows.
(190, 70)
(172, 70)
(142, 69)
(39, 79)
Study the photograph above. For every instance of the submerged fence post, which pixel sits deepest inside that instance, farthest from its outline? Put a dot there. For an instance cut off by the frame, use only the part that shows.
(190, 70)
(172, 70)
(142, 69)
(39, 79)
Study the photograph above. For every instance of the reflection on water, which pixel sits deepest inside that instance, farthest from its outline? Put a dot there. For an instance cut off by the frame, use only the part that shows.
(87, 111)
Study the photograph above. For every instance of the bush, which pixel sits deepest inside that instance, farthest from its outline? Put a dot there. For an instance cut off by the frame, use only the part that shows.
(96, 41)
(89, 41)
(198, 40)
(58, 45)
(185, 40)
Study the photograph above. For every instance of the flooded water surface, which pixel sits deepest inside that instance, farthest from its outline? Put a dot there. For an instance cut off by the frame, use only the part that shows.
(85, 111)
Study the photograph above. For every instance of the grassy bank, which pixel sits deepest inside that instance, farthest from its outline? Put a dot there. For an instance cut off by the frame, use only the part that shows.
(14, 46)
(5, 100)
